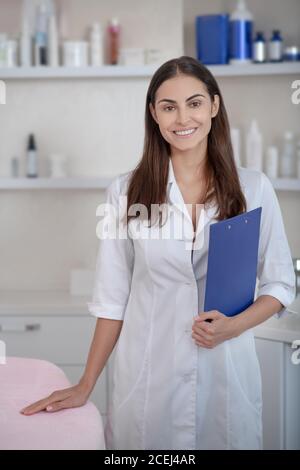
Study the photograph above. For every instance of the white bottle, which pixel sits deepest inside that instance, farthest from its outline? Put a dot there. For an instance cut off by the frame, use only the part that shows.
(254, 148)
(96, 45)
(287, 159)
(52, 42)
(235, 139)
(25, 45)
(272, 161)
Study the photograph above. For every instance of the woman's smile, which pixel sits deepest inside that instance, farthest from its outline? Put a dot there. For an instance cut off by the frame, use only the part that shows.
(185, 134)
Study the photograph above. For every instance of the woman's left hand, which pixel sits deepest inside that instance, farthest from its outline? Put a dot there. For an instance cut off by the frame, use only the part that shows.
(210, 334)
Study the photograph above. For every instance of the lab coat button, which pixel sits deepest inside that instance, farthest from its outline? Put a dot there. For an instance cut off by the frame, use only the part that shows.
(186, 377)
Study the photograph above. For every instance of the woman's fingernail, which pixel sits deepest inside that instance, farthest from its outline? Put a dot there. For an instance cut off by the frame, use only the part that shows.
(49, 408)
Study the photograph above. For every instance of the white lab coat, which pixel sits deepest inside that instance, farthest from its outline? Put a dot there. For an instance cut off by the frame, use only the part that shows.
(169, 393)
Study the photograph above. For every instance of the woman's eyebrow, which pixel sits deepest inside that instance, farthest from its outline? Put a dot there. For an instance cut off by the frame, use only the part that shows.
(188, 99)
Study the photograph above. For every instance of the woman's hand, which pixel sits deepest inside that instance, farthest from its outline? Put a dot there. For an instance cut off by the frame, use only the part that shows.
(210, 334)
(71, 397)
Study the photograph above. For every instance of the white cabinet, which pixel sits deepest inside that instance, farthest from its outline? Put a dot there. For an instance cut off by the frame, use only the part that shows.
(281, 395)
(61, 339)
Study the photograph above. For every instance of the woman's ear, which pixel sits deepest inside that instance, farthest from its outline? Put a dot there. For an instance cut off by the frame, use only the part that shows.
(152, 111)
(215, 106)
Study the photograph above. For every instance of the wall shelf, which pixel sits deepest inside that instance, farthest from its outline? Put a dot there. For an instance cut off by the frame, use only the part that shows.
(55, 183)
(279, 184)
(120, 71)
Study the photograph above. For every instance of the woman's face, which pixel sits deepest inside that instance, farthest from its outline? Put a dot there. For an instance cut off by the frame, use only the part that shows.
(183, 104)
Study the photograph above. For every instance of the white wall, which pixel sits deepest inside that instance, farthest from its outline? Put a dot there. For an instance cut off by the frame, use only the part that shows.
(97, 123)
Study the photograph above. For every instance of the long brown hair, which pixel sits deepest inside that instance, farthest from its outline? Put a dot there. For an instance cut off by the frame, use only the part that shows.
(148, 182)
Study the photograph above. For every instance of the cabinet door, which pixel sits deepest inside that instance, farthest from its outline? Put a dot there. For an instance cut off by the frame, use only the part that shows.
(270, 356)
(292, 398)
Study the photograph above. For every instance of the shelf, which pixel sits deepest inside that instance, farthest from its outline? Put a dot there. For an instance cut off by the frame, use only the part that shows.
(55, 183)
(121, 71)
(286, 184)
(280, 184)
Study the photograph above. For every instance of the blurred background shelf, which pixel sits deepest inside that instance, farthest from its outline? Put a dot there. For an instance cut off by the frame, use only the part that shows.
(55, 183)
(280, 184)
(119, 71)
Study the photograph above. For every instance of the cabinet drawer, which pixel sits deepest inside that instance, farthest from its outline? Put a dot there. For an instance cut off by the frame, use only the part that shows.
(58, 339)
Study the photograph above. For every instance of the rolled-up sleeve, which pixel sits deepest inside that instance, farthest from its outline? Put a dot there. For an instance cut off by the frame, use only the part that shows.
(276, 276)
(114, 267)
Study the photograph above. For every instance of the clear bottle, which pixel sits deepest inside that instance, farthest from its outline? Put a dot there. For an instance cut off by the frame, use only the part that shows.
(32, 171)
(275, 47)
(240, 34)
(287, 159)
(259, 48)
(272, 161)
(114, 31)
(254, 147)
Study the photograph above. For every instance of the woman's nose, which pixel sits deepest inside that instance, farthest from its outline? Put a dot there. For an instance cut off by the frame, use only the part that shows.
(182, 117)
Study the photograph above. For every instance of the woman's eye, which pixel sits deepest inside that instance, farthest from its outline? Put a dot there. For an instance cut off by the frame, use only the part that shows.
(196, 104)
(167, 108)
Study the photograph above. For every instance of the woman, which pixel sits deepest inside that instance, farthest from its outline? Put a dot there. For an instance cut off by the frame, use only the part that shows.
(181, 382)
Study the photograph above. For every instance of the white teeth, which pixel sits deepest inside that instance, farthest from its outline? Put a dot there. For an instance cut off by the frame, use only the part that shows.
(187, 132)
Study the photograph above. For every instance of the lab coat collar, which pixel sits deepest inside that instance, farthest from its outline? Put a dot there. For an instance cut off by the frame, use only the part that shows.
(175, 198)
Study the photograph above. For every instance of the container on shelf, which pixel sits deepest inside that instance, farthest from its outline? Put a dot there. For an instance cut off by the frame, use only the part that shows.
(287, 158)
(271, 162)
(96, 45)
(275, 47)
(240, 34)
(254, 147)
(212, 26)
(75, 53)
(291, 54)
(114, 33)
(259, 48)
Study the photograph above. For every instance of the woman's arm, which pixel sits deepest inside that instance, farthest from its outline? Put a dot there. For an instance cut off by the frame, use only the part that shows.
(105, 337)
(106, 334)
(223, 328)
(263, 308)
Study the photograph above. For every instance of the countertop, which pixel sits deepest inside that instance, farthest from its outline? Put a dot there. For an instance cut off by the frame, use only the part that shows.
(57, 303)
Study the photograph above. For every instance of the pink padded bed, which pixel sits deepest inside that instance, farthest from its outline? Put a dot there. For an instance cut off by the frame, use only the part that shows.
(23, 381)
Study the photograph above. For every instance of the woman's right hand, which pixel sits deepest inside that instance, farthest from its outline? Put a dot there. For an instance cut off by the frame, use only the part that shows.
(71, 397)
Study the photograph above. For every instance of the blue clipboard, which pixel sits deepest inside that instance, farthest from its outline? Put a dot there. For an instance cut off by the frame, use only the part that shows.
(232, 263)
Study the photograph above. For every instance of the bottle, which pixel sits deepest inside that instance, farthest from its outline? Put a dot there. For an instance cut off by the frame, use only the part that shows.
(275, 47)
(114, 31)
(25, 45)
(41, 39)
(96, 45)
(240, 34)
(287, 159)
(236, 139)
(259, 49)
(254, 148)
(32, 171)
(52, 42)
(14, 167)
(272, 160)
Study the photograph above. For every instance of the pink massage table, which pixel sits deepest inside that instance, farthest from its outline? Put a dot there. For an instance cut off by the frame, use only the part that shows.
(24, 381)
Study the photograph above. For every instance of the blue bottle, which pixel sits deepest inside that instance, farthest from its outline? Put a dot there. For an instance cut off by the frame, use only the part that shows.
(240, 34)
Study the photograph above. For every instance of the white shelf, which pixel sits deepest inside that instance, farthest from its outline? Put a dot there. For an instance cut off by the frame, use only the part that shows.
(55, 183)
(121, 71)
(286, 184)
(280, 184)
